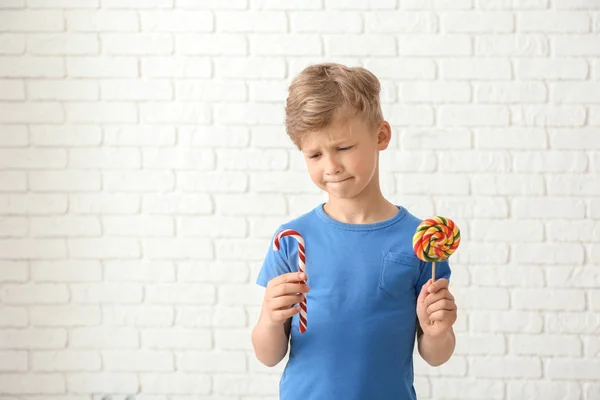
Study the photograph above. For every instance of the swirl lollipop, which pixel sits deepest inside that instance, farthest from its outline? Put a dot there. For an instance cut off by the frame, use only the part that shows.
(435, 240)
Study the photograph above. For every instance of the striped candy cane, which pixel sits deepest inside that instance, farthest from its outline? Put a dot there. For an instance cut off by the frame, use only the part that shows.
(301, 267)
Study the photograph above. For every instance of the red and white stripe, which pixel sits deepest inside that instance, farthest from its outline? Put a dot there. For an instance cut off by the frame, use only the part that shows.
(301, 267)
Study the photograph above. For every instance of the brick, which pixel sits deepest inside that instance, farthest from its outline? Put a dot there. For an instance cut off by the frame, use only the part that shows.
(413, 115)
(250, 67)
(211, 362)
(575, 4)
(101, 21)
(33, 338)
(286, 182)
(104, 338)
(582, 185)
(212, 182)
(482, 298)
(475, 161)
(176, 383)
(433, 138)
(13, 44)
(551, 69)
(63, 136)
(94, 382)
(177, 203)
(63, 44)
(576, 45)
(211, 44)
(513, 138)
(507, 184)
(177, 339)
(176, 21)
(138, 226)
(285, 45)
(104, 203)
(478, 21)
(68, 180)
(66, 271)
(62, 3)
(432, 183)
(167, 248)
(143, 4)
(136, 90)
(475, 69)
(105, 158)
(575, 93)
(211, 90)
(511, 367)
(574, 139)
(211, 226)
(413, 161)
(434, 45)
(180, 294)
(13, 227)
(101, 67)
(37, 112)
(436, 92)
(408, 68)
(34, 293)
(143, 315)
(556, 207)
(216, 272)
(32, 383)
(251, 21)
(550, 161)
(174, 112)
(288, 5)
(401, 22)
(11, 90)
(103, 248)
(548, 345)
(125, 44)
(68, 315)
(549, 253)
(139, 135)
(543, 389)
(360, 45)
(31, 21)
(31, 67)
(138, 181)
(178, 158)
(135, 271)
(142, 361)
(211, 316)
(101, 293)
(551, 21)
(68, 360)
(14, 271)
(474, 115)
(568, 369)
(113, 112)
(13, 181)
(33, 248)
(497, 92)
(14, 136)
(548, 115)
(14, 361)
(512, 45)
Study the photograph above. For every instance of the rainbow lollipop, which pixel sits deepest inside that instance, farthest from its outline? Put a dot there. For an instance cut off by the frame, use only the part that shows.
(435, 240)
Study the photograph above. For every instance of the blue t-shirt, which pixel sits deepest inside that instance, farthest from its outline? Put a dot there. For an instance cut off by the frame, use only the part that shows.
(362, 320)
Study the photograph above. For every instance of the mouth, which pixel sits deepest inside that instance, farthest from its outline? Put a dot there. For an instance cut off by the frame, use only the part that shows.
(340, 181)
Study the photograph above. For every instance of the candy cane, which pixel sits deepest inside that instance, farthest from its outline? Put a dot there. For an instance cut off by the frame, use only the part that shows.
(301, 267)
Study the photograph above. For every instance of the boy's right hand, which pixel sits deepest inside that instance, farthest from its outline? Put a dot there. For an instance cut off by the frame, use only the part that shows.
(282, 293)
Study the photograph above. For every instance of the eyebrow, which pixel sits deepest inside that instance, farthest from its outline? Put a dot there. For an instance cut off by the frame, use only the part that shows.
(336, 144)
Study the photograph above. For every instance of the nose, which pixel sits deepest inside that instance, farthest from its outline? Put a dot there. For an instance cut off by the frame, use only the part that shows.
(332, 166)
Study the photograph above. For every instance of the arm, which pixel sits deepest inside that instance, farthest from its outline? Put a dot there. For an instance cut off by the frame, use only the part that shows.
(436, 350)
(270, 341)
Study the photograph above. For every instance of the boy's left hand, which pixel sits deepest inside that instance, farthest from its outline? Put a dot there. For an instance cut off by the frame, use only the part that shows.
(436, 308)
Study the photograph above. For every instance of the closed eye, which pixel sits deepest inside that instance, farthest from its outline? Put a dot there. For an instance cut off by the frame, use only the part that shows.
(346, 148)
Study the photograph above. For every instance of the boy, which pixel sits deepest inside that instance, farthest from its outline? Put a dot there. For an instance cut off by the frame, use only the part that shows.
(367, 293)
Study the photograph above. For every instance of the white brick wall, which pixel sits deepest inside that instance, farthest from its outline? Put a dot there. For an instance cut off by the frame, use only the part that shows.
(144, 166)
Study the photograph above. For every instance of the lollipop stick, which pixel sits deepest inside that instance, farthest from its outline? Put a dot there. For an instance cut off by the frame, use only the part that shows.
(433, 272)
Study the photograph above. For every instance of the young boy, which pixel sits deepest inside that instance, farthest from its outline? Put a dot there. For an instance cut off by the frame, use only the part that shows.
(367, 293)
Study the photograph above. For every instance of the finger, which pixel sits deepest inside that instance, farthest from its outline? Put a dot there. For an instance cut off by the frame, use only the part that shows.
(282, 302)
(286, 278)
(423, 293)
(441, 295)
(290, 288)
(438, 285)
(283, 315)
(444, 316)
(446, 305)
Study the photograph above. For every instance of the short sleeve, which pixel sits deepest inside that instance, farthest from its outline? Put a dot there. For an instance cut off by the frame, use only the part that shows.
(275, 262)
(442, 270)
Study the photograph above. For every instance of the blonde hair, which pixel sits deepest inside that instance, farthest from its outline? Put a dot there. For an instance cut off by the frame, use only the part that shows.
(322, 89)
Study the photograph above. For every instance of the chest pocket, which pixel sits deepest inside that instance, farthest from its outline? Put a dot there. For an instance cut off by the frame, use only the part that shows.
(399, 274)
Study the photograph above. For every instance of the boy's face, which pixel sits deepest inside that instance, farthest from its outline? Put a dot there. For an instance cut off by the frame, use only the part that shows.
(342, 159)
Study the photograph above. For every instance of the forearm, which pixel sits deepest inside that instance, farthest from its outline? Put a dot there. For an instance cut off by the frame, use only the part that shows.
(437, 350)
(270, 342)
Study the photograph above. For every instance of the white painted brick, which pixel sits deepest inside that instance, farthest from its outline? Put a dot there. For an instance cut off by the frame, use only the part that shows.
(103, 248)
(549, 253)
(176, 21)
(323, 22)
(103, 337)
(547, 345)
(230, 294)
(32, 159)
(139, 135)
(508, 276)
(177, 203)
(575, 93)
(211, 362)
(285, 45)
(101, 112)
(12, 43)
(211, 90)
(436, 4)
(476, 115)
(472, 207)
(497, 92)
(32, 383)
(575, 4)
(558, 368)
(594, 118)
(212, 182)
(217, 272)
(13, 4)
(480, 69)
(232, 339)
(552, 21)
(143, 4)
(413, 115)
(34, 293)
(14, 317)
(93, 382)
(530, 389)
(14, 271)
(507, 367)
(31, 21)
(288, 5)
(249, 67)
(180, 294)
(507, 230)
(575, 139)
(12, 90)
(271, 91)
(251, 21)
(550, 161)
(101, 67)
(30, 66)
(513, 138)
(65, 135)
(583, 185)
(68, 180)
(139, 360)
(282, 182)
(480, 344)
(69, 315)
(433, 138)
(136, 44)
(456, 366)
(482, 298)
(171, 112)
(213, 44)
(543, 115)
(401, 22)
(176, 383)
(507, 184)
(66, 271)
(62, 90)
(34, 112)
(434, 45)
(143, 315)
(481, 253)
(167, 248)
(136, 90)
(512, 45)
(104, 203)
(62, 3)
(33, 338)
(236, 249)
(210, 316)
(63, 44)
(576, 45)
(552, 69)
(138, 226)
(434, 92)
(13, 181)
(101, 21)
(413, 161)
(557, 207)
(33, 248)
(252, 160)
(177, 339)
(14, 135)
(13, 227)
(178, 158)
(572, 322)
(105, 158)
(213, 226)
(138, 181)
(479, 21)
(14, 361)
(68, 360)
(259, 385)
(434, 183)
(407, 68)
(101, 293)
(475, 161)
(270, 137)
(360, 45)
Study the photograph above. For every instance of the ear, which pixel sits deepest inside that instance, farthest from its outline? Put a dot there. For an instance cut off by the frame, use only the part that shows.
(384, 135)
